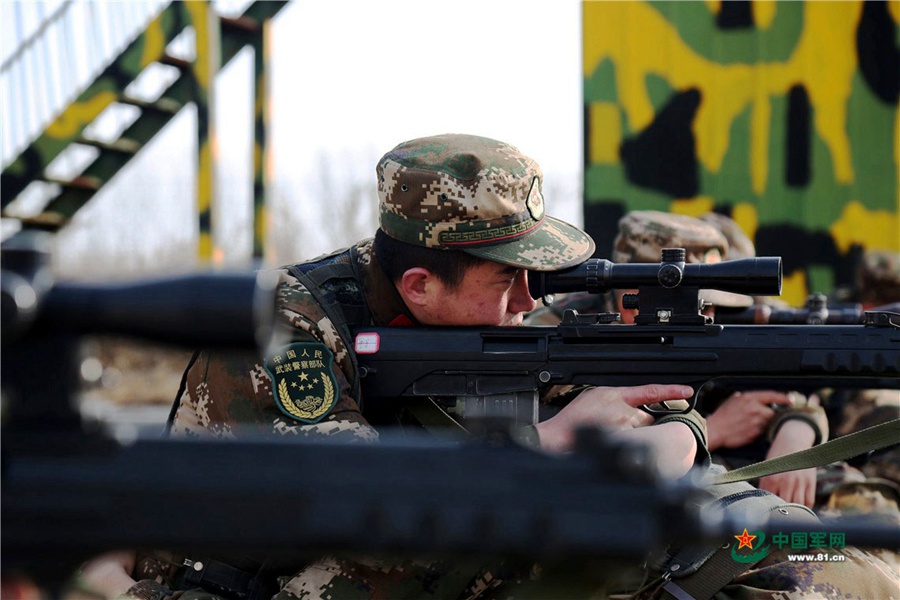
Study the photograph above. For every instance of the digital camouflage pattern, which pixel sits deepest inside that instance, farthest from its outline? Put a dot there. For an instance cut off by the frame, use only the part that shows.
(224, 394)
(478, 195)
(642, 235)
(863, 576)
(867, 577)
(872, 485)
(878, 278)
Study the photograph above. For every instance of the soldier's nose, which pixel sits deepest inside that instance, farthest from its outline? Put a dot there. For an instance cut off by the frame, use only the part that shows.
(521, 300)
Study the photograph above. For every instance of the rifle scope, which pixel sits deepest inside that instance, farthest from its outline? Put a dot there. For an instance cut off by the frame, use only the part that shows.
(759, 276)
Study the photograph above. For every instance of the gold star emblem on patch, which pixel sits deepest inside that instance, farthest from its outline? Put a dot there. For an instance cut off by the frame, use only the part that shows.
(535, 201)
(304, 385)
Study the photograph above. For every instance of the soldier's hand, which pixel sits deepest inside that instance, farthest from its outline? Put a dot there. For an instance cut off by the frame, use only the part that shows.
(742, 418)
(794, 486)
(108, 575)
(613, 408)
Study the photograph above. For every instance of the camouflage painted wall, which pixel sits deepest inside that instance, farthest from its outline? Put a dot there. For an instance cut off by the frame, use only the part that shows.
(783, 115)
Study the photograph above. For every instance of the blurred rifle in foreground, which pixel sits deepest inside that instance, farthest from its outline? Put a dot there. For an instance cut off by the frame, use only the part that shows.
(69, 490)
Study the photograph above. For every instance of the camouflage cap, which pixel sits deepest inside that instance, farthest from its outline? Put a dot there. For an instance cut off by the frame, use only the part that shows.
(477, 195)
(643, 234)
(739, 244)
(878, 277)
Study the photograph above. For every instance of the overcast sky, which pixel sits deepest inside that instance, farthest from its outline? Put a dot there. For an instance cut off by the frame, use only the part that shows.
(351, 73)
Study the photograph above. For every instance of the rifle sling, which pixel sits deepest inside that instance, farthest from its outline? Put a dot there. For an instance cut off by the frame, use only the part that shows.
(720, 569)
(860, 442)
(715, 574)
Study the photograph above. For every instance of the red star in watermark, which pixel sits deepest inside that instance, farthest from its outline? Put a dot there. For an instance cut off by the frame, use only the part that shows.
(745, 539)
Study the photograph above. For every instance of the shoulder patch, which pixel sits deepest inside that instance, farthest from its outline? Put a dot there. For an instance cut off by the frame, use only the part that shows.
(303, 382)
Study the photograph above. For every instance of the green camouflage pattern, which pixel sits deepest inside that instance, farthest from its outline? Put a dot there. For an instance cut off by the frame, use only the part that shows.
(478, 195)
(872, 487)
(782, 115)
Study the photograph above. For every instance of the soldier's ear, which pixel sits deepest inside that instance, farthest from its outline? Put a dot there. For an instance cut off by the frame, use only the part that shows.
(419, 286)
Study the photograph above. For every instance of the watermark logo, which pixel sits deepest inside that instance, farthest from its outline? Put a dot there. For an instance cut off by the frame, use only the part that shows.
(752, 547)
(744, 551)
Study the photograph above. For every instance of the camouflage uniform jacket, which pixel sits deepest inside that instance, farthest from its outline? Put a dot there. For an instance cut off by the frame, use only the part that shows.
(223, 394)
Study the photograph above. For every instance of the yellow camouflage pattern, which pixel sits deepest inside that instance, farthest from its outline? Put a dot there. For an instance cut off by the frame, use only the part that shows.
(783, 115)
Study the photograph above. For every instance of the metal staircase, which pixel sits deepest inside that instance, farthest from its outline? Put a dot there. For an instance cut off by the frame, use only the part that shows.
(217, 40)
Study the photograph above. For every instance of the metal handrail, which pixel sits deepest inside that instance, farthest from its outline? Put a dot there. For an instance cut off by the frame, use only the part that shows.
(52, 64)
(28, 41)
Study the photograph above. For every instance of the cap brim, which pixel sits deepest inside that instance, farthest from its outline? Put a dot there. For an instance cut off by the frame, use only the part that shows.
(552, 246)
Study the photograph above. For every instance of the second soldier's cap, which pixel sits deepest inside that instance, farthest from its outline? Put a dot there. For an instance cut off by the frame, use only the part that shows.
(878, 277)
(643, 234)
(739, 244)
(478, 195)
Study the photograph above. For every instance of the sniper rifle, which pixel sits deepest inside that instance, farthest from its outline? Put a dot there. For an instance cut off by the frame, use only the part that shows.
(502, 370)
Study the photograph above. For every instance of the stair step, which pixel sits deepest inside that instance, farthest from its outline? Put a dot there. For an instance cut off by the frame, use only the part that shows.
(46, 221)
(163, 105)
(243, 24)
(121, 145)
(174, 61)
(91, 184)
